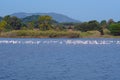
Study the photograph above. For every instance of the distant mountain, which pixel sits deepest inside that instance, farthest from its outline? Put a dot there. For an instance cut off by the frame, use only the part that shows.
(55, 16)
(34, 18)
(30, 18)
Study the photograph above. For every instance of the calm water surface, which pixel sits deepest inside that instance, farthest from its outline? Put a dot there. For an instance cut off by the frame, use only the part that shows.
(59, 59)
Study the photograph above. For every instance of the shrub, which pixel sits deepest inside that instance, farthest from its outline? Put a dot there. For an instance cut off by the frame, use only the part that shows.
(115, 29)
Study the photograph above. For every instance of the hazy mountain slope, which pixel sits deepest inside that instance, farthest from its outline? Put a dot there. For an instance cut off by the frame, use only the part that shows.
(34, 18)
(55, 16)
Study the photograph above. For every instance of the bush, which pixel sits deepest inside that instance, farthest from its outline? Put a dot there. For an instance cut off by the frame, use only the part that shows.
(115, 29)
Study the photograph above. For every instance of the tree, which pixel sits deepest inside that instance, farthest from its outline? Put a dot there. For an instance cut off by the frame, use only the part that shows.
(7, 19)
(82, 27)
(45, 22)
(100, 29)
(103, 24)
(110, 21)
(114, 29)
(13, 22)
(30, 25)
(2, 25)
(88, 26)
(93, 25)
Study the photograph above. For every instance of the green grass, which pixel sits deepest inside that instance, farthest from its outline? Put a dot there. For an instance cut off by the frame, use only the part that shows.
(41, 34)
(56, 34)
(90, 34)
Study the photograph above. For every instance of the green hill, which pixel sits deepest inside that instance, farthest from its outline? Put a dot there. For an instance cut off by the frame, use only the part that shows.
(55, 16)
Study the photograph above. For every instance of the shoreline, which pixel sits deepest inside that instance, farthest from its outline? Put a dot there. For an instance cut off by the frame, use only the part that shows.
(25, 37)
(54, 34)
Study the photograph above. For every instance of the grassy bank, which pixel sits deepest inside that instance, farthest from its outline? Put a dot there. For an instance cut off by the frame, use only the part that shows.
(55, 34)
(40, 34)
(96, 34)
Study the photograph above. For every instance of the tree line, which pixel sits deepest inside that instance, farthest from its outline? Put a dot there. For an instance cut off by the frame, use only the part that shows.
(46, 22)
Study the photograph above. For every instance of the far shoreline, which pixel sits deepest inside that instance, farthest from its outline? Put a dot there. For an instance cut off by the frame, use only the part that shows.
(55, 34)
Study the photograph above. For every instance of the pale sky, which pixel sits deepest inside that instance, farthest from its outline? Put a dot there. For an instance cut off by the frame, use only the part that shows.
(83, 10)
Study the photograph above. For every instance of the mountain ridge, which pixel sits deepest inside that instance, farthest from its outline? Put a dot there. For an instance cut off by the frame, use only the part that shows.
(55, 16)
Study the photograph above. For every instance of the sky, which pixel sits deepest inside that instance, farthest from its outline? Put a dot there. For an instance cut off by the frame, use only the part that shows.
(82, 10)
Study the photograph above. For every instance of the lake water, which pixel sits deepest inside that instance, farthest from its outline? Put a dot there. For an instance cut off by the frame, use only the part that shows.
(59, 59)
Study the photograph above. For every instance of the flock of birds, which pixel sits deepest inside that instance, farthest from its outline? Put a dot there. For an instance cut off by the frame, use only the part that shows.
(67, 42)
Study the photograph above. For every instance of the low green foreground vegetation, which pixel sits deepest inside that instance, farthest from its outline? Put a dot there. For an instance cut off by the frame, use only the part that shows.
(46, 27)
(56, 34)
(41, 34)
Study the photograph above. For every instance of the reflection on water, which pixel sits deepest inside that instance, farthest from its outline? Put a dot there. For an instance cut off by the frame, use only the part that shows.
(59, 59)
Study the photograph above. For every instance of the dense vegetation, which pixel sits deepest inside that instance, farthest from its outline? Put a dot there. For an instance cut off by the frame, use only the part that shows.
(45, 26)
(115, 29)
